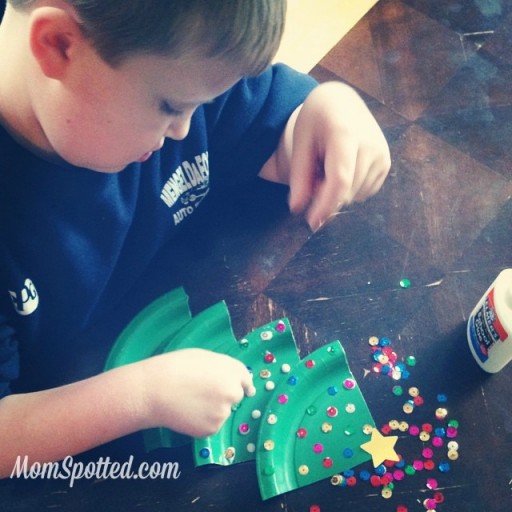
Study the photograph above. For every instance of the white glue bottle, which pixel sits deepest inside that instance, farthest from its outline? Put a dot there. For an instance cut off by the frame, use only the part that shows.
(490, 325)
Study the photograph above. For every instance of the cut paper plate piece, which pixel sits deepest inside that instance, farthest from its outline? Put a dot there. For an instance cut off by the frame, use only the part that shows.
(211, 330)
(269, 352)
(314, 425)
(143, 336)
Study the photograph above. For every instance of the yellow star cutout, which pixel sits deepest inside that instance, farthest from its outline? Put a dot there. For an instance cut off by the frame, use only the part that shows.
(381, 448)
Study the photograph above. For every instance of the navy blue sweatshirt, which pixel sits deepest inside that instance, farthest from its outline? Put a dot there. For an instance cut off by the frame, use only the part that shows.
(73, 241)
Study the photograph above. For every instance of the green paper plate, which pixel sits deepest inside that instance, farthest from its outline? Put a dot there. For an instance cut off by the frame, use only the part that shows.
(269, 352)
(211, 330)
(313, 425)
(144, 335)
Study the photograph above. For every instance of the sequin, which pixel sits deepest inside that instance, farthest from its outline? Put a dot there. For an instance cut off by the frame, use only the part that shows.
(310, 363)
(303, 470)
(311, 410)
(251, 447)
(427, 453)
(332, 390)
(256, 414)
(282, 399)
(405, 283)
(364, 475)
(451, 432)
(403, 426)
(332, 412)
(444, 467)
(424, 436)
(440, 432)
(398, 390)
(350, 408)
(349, 383)
(204, 453)
(266, 335)
(453, 454)
(384, 342)
(367, 429)
(269, 470)
(373, 341)
(430, 504)
(348, 453)
(280, 326)
(418, 465)
(269, 445)
(302, 432)
(229, 453)
(244, 429)
(314, 508)
(398, 474)
(269, 385)
(437, 442)
(285, 368)
(265, 374)
(409, 470)
(385, 429)
(292, 380)
(327, 463)
(441, 413)
(410, 361)
(414, 391)
(439, 497)
(336, 480)
(393, 425)
(318, 447)
(272, 419)
(269, 357)
(408, 408)
(326, 427)
(453, 445)
(414, 430)
(386, 493)
(351, 481)
(375, 481)
(429, 465)
(244, 343)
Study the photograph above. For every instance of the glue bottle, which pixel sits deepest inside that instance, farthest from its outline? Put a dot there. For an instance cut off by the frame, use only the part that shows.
(490, 325)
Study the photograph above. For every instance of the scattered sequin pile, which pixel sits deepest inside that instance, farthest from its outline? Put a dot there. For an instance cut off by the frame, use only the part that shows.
(439, 447)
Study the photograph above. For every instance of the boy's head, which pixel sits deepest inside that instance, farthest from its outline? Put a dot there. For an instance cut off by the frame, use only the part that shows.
(102, 83)
(246, 32)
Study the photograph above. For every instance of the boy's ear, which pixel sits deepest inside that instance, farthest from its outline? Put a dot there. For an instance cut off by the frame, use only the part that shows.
(54, 35)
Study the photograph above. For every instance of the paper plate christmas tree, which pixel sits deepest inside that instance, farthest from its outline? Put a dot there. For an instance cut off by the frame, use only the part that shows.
(308, 419)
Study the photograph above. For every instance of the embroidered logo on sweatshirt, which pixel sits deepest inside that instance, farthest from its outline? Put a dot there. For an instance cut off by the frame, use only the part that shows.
(187, 187)
(26, 300)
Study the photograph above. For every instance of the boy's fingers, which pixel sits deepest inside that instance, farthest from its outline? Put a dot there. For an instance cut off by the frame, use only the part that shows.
(303, 171)
(335, 188)
(247, 384)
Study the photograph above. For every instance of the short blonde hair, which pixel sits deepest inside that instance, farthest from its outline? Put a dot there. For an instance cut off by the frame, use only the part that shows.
(245, 32)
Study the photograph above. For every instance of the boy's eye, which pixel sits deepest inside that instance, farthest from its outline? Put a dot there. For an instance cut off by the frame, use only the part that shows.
(168, 109)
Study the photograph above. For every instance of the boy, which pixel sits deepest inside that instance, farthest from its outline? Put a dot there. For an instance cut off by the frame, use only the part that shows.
(117, 119)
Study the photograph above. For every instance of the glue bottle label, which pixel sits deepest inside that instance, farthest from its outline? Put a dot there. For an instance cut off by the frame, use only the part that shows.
(485, 328)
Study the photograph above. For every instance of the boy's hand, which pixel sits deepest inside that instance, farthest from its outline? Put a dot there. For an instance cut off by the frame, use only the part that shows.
(193, 390)
(332, 153)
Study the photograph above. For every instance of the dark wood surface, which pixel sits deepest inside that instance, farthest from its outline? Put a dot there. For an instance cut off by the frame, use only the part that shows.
(437, 74)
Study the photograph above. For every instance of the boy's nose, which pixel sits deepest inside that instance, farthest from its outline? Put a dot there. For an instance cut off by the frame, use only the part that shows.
(179, 127)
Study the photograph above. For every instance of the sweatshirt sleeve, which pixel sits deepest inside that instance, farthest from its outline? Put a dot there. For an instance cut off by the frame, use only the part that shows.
(9, 357)
(246, 123)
